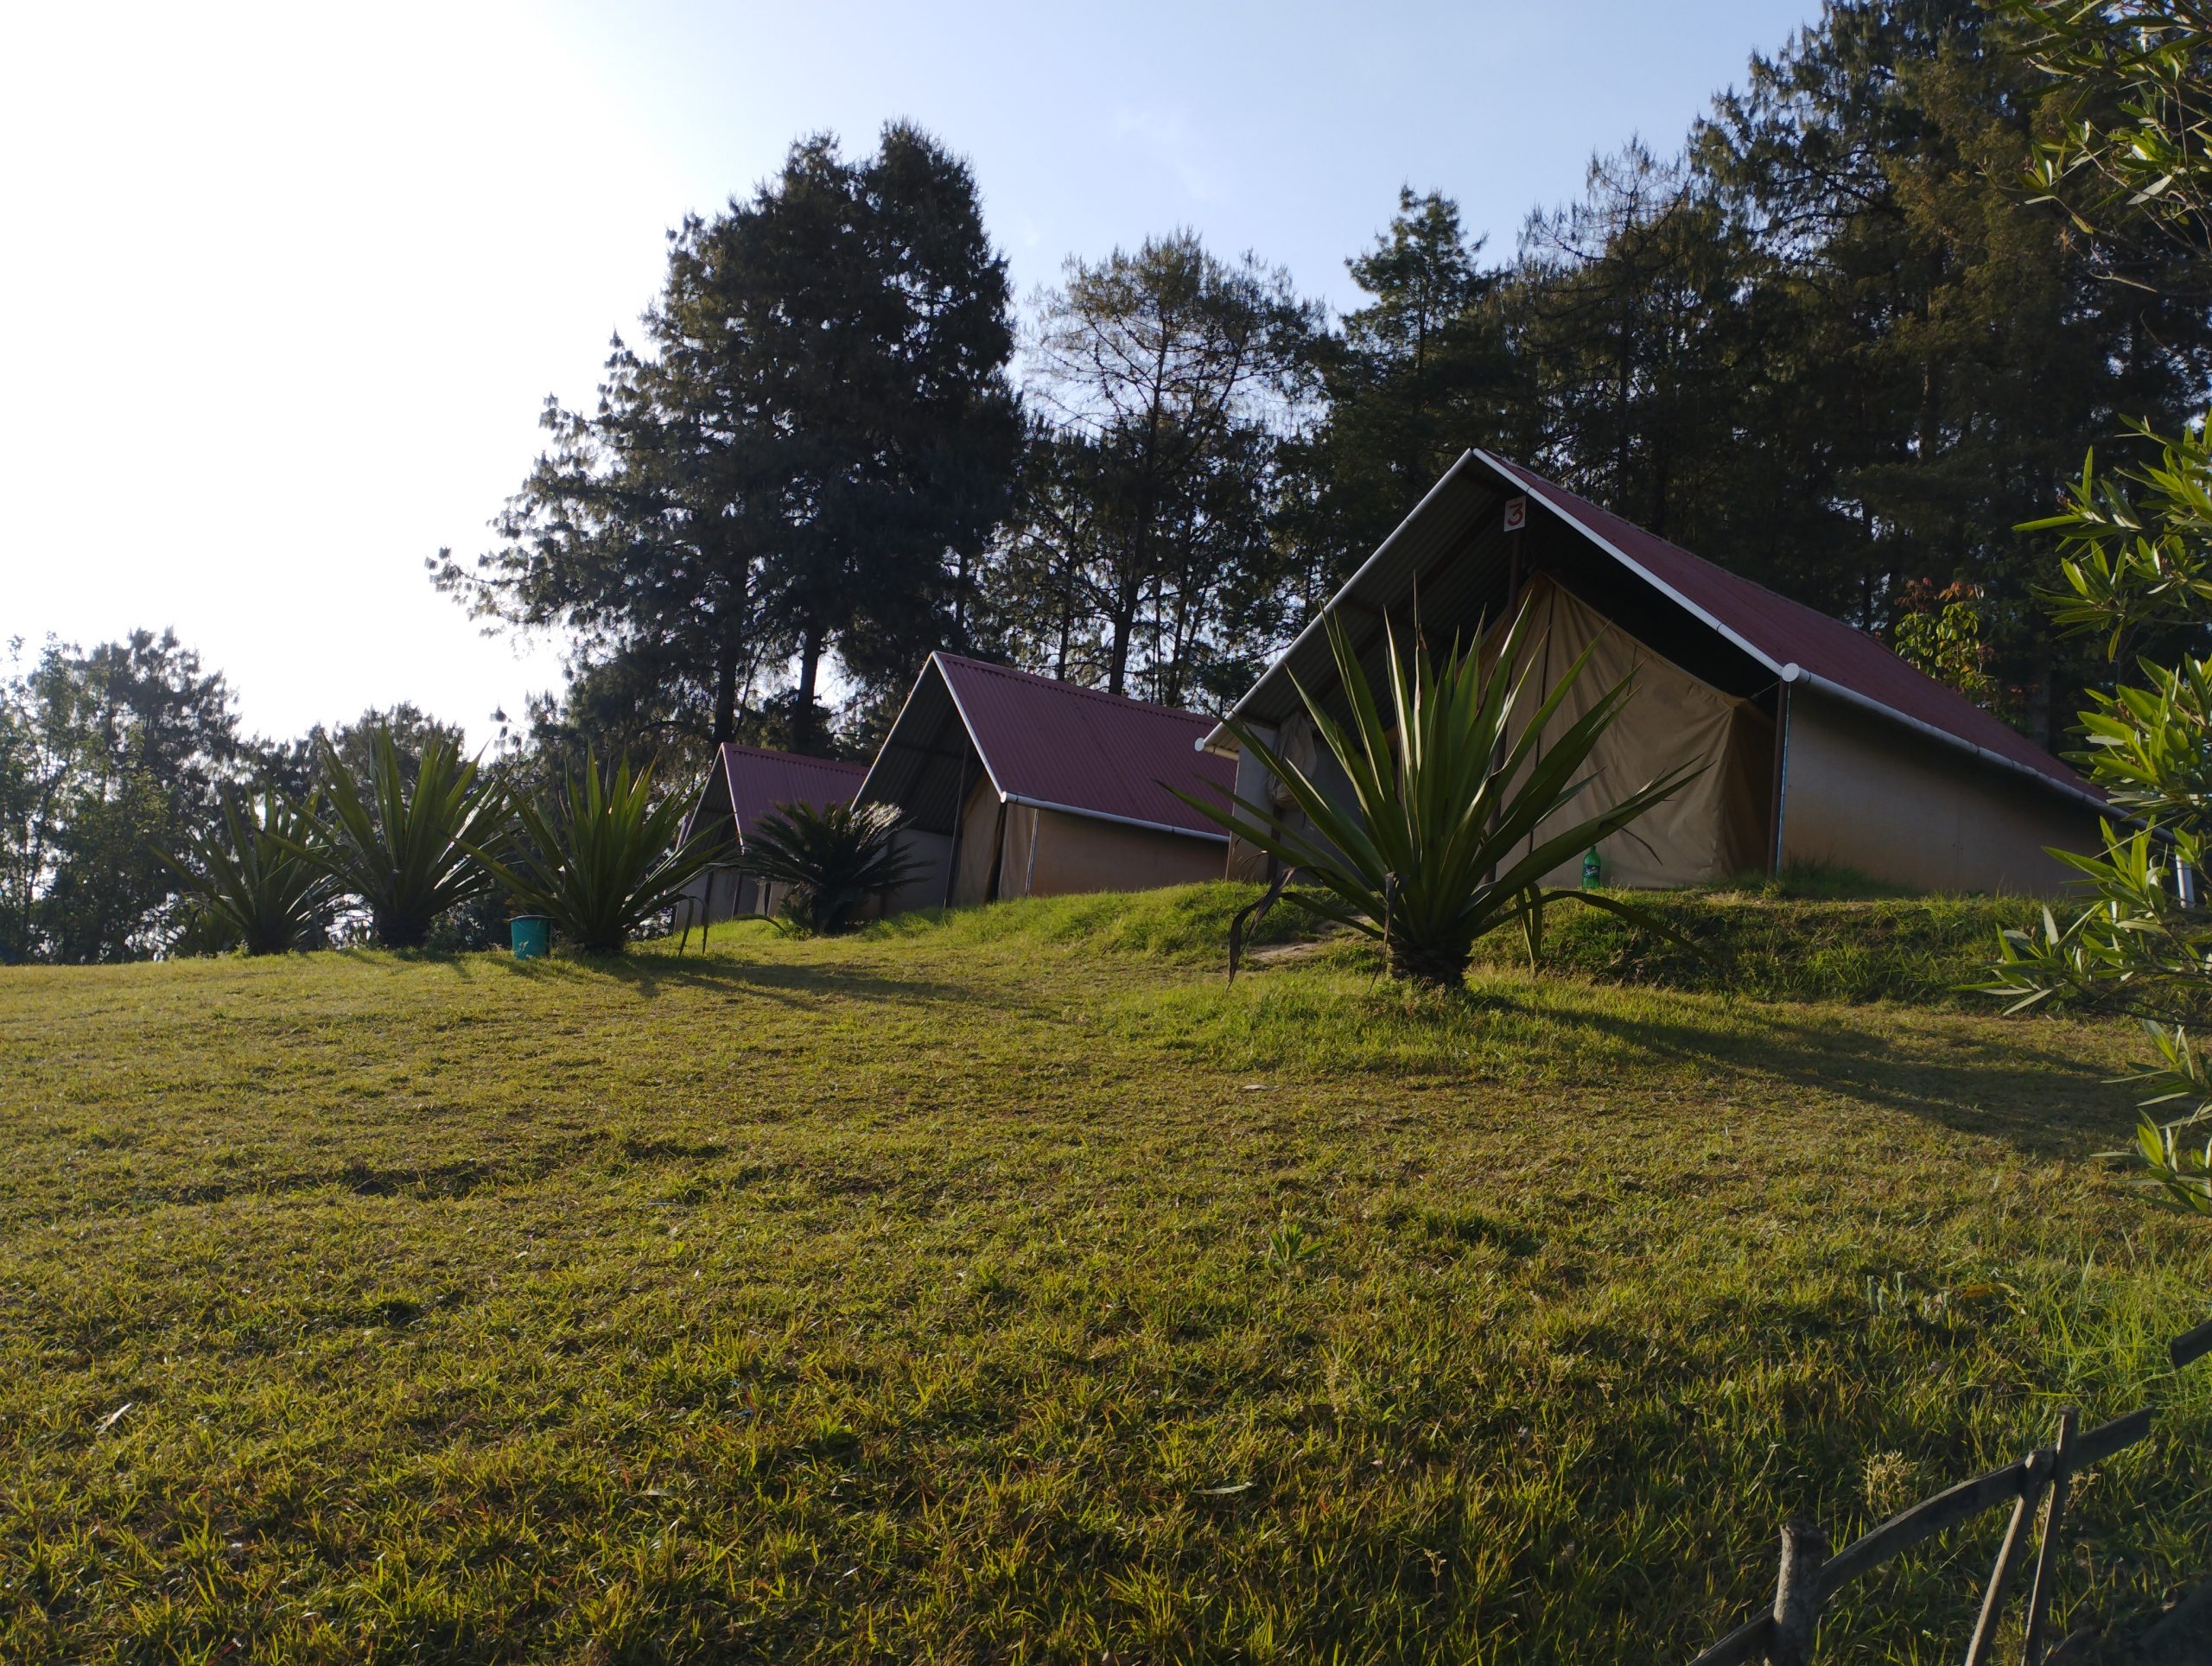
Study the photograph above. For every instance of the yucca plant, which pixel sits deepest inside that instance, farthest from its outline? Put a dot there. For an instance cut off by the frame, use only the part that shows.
(404, 848)
(1434, 851)
(254, 885)
(835, 859)
(598, 854)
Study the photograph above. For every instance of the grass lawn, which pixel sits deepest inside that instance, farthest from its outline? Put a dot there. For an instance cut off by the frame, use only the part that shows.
(1006, 1289)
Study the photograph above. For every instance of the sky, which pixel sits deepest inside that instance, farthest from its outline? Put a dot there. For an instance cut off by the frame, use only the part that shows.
(290, 285)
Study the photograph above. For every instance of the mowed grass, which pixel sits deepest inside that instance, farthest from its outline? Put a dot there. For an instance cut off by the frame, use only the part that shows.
(1007, 1289)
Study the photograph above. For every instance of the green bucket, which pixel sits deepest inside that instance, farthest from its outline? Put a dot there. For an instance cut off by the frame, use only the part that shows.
(532, 935)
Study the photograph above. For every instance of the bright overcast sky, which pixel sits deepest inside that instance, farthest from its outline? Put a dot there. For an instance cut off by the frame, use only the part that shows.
(287, 287)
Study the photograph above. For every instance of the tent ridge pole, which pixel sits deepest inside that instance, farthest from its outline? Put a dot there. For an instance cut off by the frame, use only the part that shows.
(998, 853)
(959, 826)
(1781, 801)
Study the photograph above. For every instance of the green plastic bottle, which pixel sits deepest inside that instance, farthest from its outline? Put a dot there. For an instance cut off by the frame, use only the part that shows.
(1590, 869)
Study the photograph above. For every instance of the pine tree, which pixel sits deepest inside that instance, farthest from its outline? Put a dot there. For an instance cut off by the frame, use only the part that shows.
(1627, 318)
(807, 458)
(1934, 350)
(1164, 380)
(1414, 377)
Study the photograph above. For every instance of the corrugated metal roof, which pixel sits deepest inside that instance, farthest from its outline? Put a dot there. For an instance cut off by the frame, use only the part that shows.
(760, 779)
(1042, 742)
(1784, 632)
(1448, 550)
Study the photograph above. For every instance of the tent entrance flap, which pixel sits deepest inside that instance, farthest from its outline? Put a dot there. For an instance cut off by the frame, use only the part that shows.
(1715, 826)
(981, 828)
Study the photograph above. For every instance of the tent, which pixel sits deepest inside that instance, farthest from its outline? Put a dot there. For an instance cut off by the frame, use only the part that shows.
(744, 785)
(1017, 786)
(1815, 743)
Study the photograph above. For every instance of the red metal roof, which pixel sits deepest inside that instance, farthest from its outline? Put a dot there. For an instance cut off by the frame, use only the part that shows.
(1103, 755)
(1785, 633)
(760, 779)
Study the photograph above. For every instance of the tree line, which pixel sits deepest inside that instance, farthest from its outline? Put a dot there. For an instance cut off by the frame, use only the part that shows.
(1832, 341)
(113, 757)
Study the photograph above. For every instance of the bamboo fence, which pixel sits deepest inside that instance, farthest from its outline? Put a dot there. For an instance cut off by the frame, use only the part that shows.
(1810, 1576)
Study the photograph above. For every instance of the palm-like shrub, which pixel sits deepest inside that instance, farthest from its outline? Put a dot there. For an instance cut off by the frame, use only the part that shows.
(254, 883)
(1434, 850)
(598, 854)
(401, 847)
(835, 859)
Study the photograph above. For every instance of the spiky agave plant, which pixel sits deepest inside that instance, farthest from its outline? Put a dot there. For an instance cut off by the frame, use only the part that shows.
(254, 883)
(404, 849)
(835, 859)
(597, 854)
(1439, 844)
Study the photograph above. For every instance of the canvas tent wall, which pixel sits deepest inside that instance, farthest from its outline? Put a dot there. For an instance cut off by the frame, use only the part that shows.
(1015, 786)
(1897, 803)
(1816, 742)
(744, 785)
(1716, 825)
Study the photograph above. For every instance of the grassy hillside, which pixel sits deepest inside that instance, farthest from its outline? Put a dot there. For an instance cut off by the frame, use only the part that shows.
(1773, 945)
(1006, 1288)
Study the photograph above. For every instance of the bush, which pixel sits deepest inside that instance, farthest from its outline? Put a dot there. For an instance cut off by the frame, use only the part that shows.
(255, 887)
(598, 856)
(835, 860)
(1437, 848)
(403, 847)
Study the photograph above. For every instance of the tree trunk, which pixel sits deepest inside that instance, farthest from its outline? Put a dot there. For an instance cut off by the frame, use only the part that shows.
(1117, 663)
(2043, 706)
(725, 690)
(1434, 968)
(1067, 625)
(805, 715)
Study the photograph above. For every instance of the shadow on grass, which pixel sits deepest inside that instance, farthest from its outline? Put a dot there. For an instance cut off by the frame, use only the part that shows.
(651, 975)
(2038, 1099)
(2037, 1096)
(454, 1179)
(2033, 1084)
(448, 1180)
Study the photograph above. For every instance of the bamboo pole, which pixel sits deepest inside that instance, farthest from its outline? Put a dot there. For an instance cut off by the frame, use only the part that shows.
(2008, 1557)
(2047, 1552)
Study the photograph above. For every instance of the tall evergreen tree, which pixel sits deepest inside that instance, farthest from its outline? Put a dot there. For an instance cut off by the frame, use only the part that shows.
(1163, 379)
(807, 458)
(1414, 376)
(1627, 318)
(1934, 350)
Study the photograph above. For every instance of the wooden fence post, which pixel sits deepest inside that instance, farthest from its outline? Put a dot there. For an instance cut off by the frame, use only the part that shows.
(2047, 1552)
(1798, 1594)
(2008, 1558)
